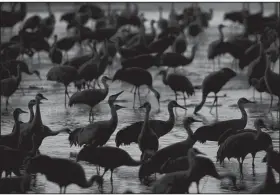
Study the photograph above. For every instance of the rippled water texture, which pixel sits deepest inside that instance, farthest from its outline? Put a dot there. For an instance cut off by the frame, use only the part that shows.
(56, 116)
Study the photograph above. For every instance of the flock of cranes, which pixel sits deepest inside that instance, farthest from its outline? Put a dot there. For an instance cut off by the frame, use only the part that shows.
(125, 34)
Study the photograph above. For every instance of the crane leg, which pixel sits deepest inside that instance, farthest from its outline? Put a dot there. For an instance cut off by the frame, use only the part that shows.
(138, 90)
(197, 187)
(111, 175)
(65, 97)
(253, 161)
(105, 170)
(134, 97)
(213, 64)
(39, 58)
(7, 103)
(184, 98)
(64, 192)
(132, 89)
(215, 100)
(175, 96)
(261, 97)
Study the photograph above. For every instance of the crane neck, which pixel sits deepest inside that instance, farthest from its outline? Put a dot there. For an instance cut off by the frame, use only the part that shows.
(160, 13)
(114, 117)
(270, 179)
(189, 130)
(37, 121)
(164, 78)
(146, 125)
(17, 124)
(259, 130)
(31, 111)
(193, 54)
(244, 116)
(171, 120)
(221, 34)
(153, 29)
(18, 78)
(106, 86)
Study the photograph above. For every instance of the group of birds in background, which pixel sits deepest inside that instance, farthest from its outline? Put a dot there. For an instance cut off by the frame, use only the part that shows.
(124, 34)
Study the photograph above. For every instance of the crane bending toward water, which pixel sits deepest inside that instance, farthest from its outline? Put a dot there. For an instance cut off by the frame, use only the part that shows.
(178, 164)
(107, 157)
(10, 85)
(129, 134)
(214, 131)
(272, 158)
(137, 77)
(61, 171)
(179, 182)
(178, 83)
(243, 143)
(64, 75)
(98, 133)
(170, 152)
(91, 97)
(214, 83)
(147, 138)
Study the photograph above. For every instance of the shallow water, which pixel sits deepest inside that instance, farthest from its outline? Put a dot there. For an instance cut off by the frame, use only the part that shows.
(56, 116)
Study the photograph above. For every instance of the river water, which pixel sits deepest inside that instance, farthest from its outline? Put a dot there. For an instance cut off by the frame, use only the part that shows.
(56, 116)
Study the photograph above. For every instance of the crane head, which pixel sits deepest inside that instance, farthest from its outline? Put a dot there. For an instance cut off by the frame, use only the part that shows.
(173, 104)
(146, 105)
(32, 103)
(197, 151)
(105, 79)
(244, 101)
(260, 123)
(118, 107)
(39, 97)
(162, 72)
(113, 98)
(189, 120)
(18, 111)
(221, 26)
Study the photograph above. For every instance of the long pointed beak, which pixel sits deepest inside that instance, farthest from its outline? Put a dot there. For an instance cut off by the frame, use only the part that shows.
(195, 120)
(22, 111)
(44, 98)
(252, 102)
(179, 106)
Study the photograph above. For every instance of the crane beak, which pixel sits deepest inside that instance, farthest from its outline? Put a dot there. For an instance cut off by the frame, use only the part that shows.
(195, 120)
(22, 111)
(179, 106)
(143, 106)
(114, 97)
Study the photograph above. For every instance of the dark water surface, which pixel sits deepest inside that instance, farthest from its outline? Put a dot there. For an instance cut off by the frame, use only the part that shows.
(56, 116)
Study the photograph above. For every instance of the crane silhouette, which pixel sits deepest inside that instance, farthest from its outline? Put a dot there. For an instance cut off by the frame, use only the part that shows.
(234, 146)
(147, 138)
(215, 48)
(55, 54)
(107, 157)
(178, 83)
(137, 77)
(174, 59)
(66, 43)
(10, 85)
(272, 158)
(179, 182)
(178, 164)
(130, 133)
(11, 140)
(170, 152)
(214, 83)
(47, 24)
(61, 171)
(90, 97)
(98, 133)
(64, 75)
(214, 131)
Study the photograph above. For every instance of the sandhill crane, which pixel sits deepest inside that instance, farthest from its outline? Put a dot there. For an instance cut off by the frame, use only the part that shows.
(20, 184)
(35, 127)
(269, 185)
(32, 23)
(213, 83)
(214, 131)
(98, 133)
(178, 164)
(137, 77)
(272, 158)
(179, 182)
(130, 133)
(12, 159)
(11, 140)
(162, 23)
(271, 80)
(66, 43)
(180, 43)
(147, 138)
(174, 59)
(214, 48)
(90, 97)
(178, 83)
(47, 24)
(55, 54)
(160, 45)
(243, 143)
(10, 85)
(64, 75)
(170, 152)
(107, 157)
(61, 171)
(11, 67)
